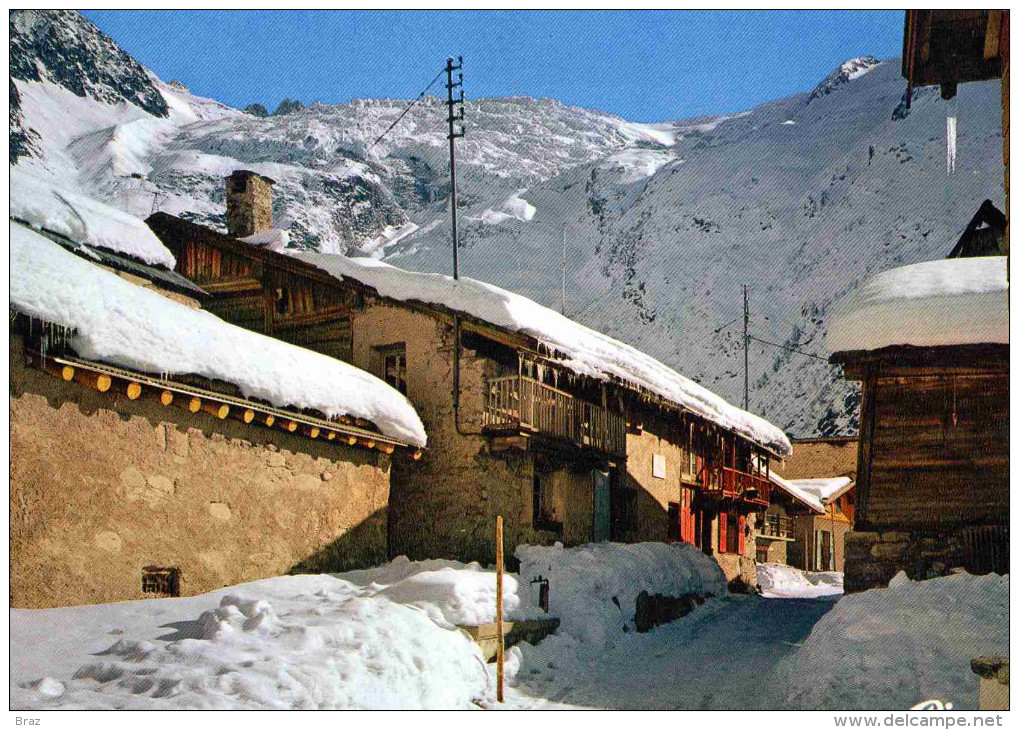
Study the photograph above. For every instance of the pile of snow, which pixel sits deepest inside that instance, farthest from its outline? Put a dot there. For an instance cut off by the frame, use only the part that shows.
(300, 642)
(891, 648)
(946, 302)
(275, 239)
(450, 592)
(123, 324)
(578, 348)
(783, 581)
(46, 206)
(593, 588)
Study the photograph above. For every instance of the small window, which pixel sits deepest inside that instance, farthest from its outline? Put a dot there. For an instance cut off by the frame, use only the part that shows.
(675, 533)
(543, 511)
(161, 582)
(283, 305)
(392, 363)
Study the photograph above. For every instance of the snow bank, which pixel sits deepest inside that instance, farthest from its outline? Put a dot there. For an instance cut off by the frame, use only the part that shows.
(513, 208)
(890, 648)
(582, 349)
(118, 322)
(83, 220)
(299, 642)
(593, 588)
(784, 581)
(637, 164)
(946, 302)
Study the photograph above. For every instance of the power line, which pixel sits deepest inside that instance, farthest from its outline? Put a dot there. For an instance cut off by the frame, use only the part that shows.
(409, 107)
(784, 347)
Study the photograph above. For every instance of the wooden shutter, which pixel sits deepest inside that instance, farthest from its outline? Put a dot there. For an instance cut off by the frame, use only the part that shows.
(723, 524)
(742, 537)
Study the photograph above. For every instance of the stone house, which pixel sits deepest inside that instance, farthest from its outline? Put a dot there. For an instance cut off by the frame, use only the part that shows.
(566, 445)
(128, 482)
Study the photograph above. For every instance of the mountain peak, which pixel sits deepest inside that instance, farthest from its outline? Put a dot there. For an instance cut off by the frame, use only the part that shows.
(848, 70)
(64, 47)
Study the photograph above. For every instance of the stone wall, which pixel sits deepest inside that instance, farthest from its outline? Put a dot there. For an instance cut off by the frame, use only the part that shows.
(102, 486)
(248, 204)
(873, 558)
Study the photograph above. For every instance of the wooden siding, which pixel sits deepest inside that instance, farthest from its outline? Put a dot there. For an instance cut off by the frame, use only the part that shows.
(937, 451)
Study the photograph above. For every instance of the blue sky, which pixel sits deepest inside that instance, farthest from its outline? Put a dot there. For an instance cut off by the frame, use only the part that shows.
(643, 66)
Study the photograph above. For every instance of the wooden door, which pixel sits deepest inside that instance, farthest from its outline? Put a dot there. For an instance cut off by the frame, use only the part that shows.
(602, 528)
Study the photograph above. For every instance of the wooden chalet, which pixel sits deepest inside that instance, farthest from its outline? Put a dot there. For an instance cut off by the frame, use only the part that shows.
(562, 456)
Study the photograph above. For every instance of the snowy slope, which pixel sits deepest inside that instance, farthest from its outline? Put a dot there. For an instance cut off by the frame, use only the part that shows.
(800, 198)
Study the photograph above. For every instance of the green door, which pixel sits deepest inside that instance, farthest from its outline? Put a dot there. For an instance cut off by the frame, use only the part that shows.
(602, 505)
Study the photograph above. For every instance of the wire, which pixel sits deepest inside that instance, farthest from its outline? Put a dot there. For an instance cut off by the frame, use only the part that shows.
(783, 347)
(729, 325)
(409, 107)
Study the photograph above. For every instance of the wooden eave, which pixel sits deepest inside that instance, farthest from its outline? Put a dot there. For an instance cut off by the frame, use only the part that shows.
(306, 425)
(951, 46)
(912, 361)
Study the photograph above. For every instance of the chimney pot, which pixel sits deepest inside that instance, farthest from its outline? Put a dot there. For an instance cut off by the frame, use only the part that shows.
(248, 203)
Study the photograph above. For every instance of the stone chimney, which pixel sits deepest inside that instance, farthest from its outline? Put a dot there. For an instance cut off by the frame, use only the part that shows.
(248, 203)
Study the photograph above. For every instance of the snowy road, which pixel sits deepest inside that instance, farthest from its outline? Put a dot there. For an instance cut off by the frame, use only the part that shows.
(686, 665)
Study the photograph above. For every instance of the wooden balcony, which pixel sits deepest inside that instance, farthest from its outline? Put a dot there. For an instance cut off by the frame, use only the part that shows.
(519, 402)
(776, 527)
(723, 482)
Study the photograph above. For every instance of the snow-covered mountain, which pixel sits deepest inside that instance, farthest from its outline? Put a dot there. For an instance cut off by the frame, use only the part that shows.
(662, 224)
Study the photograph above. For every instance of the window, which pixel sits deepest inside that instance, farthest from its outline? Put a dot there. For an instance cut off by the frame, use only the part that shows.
(658, 466)
(690, 465)
(730, 533)
(161, 582)
(283, 305)
(392, 365)
(543, 510)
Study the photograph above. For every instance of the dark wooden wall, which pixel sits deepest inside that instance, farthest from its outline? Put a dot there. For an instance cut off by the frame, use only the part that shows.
(935, 451)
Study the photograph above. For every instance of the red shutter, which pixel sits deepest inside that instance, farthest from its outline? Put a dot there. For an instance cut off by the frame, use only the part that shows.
(723, 519)
(742, 538)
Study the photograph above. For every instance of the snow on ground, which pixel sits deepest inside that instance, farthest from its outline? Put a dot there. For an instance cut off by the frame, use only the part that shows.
(123, 324)
(593, 588)
(585, 351)
(513, 208)
(44, 205)
(310, 641)
(784, 581)
(893, 647)
(663, 133)
(946, 302)
(637, 164)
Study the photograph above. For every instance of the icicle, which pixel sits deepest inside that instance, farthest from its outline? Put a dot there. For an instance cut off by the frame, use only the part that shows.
(952, 127)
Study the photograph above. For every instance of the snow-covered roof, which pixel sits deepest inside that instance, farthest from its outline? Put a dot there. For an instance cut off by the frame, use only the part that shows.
(798, 493)
(575, 346)
(117, 322)
(50, 207)
(823, 489)
(275, 239)
(947, 302)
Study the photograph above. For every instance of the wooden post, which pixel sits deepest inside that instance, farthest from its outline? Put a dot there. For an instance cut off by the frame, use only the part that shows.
(501, 647)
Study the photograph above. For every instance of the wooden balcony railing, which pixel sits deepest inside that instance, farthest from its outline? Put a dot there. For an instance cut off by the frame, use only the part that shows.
(516, 401)
(777, 526)
(723, 482)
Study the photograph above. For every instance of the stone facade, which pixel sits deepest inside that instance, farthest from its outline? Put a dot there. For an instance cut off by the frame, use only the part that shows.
(820, 458)
(101, 487)
(874, 558)
(248, 203)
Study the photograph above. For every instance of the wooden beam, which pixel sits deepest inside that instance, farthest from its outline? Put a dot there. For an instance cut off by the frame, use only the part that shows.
(269, 420)
(166, 397)
(195, 404)
(992, 35)
(219, 410)
(133, 390)
(98, 381)
(248, 415)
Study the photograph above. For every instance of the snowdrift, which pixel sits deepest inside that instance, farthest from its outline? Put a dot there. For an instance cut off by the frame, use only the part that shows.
(123, 324)
(298, 642)
(783, 581)
(890, 648)
(594, 588)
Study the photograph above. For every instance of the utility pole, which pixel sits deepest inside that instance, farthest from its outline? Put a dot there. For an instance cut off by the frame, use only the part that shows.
(452, 66)
(746, 349)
